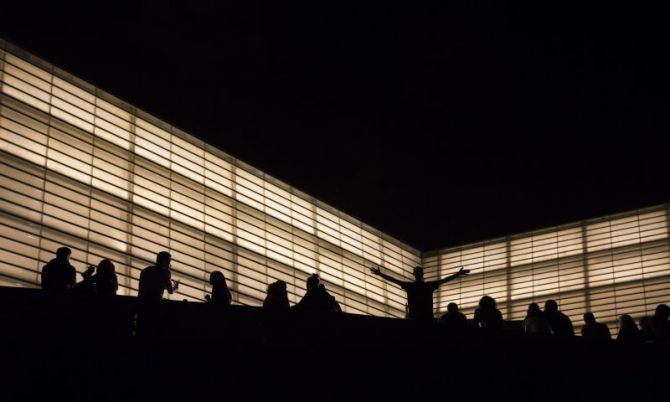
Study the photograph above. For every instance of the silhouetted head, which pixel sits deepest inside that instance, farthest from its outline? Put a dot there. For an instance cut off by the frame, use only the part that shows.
(163, 259)
(534, 310)
(418, 273)
(662, 312)
(313, 282)
(589, 318)
(217, 278)
(63, 253)
(627, 322)
(277, 288)
(106, 267)
(487, 303)
(550, 306)
(452, 308)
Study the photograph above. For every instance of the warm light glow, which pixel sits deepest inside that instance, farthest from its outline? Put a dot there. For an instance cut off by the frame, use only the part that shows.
(116, 184)
(607, 265)
(80, 169)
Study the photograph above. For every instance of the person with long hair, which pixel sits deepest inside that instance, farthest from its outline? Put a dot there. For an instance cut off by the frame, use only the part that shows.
(220, 292)
(487, 316)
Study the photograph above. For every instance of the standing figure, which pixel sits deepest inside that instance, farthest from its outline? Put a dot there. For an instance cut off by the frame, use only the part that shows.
(453, 320)
(535, 321)
(105, 281)
(660, 326)
(276, 301)
(560, 323)
(419, 292)
(156, 279)
(628, 331)
(317, 299)
(58, 274)
(487, 316)
(593, 330)
(220, 294)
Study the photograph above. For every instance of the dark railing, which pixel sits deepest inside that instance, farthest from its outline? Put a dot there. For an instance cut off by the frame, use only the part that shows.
(76, 348)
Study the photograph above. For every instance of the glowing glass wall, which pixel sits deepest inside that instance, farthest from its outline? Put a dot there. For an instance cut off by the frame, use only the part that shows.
(80, 168)
(611, 266)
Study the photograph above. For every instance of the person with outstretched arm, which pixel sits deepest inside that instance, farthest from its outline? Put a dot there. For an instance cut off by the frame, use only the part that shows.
(419, 292)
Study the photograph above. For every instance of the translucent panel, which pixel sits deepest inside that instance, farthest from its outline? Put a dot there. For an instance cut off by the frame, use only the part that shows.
(392, 258)
(218, 220)
(21, 140)
(15, 181)
(112, 114)
(279, 248)
(74, 95)
(218, 174)
(570, 242)
(249, 189)
(302, 216)
(111, 173)
(186, 214)
(70, 113)
(330, 267)
(187, 160)
(277, 202)
(25, 88)
(495, 256)
(151, 190)
(371, 248)
(11, 60)
(571, 274)
(67, 166)
(112, 128)
(653, 226)
(251, 237)
(152, 143)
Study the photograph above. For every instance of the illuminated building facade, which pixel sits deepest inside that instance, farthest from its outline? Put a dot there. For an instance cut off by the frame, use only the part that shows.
(613, 265)
(81, 168)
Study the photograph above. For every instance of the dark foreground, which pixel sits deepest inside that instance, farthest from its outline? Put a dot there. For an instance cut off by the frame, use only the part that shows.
(57, 348)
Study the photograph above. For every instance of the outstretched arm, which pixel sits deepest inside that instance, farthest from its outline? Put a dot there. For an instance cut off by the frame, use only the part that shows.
(461, 272)
(377, 271)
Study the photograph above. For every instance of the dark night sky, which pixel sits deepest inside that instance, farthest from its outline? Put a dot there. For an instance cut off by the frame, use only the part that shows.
(439, 124)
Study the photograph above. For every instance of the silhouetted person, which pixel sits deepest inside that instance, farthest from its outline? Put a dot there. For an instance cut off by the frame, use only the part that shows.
(487, 316)
(453, 320)
(593, 330)
(535, 321)
(86, 286)
(660, 326)
(104, 280)
(645, 328)
(317, 299)
(628, 331)
(335, 306)
(276, 301)
(220, 292)
(419, 292)
(560, 323)
(58, 274)
(156, 279)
